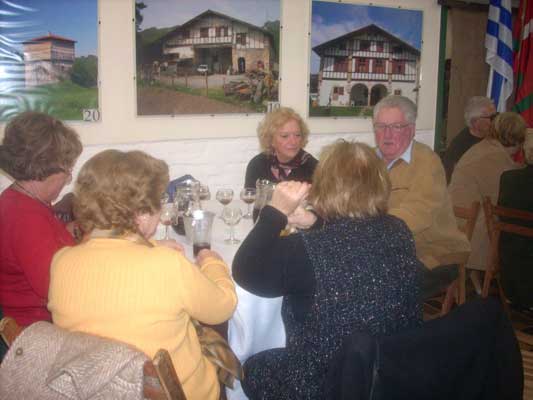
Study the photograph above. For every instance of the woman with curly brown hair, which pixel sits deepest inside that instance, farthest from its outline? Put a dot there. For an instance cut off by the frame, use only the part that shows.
(38, 152)
(120, 284)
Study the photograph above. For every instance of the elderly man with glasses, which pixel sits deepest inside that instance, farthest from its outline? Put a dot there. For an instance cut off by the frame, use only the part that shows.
(479, 112)
(419, 196)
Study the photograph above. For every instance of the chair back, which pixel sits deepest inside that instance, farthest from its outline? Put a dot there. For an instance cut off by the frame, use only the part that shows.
(457, 290)
(160, 378)
(495, 227)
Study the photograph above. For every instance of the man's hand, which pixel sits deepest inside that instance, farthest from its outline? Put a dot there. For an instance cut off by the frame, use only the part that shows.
(301, 218)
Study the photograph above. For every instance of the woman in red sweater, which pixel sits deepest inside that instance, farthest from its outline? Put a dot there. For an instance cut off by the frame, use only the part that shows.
(38, 152)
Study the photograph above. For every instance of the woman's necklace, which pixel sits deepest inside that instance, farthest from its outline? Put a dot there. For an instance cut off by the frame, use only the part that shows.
(22, 189)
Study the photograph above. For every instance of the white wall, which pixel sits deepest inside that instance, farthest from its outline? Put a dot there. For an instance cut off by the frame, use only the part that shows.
(215, 149)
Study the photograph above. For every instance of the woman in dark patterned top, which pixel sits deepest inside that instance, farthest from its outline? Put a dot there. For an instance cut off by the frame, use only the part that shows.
(356, 272)
(282, 136)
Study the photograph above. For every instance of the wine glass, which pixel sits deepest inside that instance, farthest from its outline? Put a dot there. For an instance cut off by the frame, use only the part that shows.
(168, 216)
(231, 216)
(224, 196)
(248, 196)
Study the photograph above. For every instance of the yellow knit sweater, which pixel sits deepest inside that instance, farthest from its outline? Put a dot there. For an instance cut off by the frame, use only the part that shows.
(146, 297)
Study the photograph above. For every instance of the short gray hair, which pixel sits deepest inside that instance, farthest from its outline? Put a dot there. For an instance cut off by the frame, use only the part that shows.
(474, 108)
(405, 105)
(528, 147)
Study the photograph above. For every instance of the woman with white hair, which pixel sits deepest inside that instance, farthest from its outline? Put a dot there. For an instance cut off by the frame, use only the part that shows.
(516, 253)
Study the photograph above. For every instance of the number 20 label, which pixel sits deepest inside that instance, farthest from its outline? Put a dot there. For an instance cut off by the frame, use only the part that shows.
(91, 114)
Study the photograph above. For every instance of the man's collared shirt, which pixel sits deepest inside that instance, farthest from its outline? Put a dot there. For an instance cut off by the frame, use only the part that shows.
(406, 156)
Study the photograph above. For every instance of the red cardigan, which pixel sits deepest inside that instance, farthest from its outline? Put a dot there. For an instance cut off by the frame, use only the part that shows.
(29, 236)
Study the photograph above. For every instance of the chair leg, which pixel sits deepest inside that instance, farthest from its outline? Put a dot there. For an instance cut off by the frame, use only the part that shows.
(489, 275)
(449, 299)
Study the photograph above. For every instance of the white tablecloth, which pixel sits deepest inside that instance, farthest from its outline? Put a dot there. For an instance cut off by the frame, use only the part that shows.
(256, 324)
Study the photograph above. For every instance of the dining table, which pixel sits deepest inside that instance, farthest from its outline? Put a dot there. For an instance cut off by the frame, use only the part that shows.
(256, 324)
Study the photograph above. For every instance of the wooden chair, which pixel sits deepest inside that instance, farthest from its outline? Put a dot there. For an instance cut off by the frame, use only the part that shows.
(494, 228)
(526, 347)
(160, 379)
(456, 292)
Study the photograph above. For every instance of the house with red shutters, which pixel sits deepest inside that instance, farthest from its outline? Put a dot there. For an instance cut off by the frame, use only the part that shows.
(365, 65)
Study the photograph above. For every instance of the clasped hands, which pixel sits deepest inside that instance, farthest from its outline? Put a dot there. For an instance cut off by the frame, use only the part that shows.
(289, 198)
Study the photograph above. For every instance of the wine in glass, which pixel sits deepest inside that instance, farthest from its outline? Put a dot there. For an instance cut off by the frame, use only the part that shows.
(224, 196)
(168, 216)
(248, 196)
(231, 216)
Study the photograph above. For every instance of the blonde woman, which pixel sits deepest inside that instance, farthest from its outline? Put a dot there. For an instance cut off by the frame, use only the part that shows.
(357, 272)
(282, 136)
(121, 285)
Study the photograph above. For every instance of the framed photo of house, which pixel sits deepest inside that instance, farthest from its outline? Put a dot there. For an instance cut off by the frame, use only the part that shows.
(49, 60)
(206, 56)
(361, 53)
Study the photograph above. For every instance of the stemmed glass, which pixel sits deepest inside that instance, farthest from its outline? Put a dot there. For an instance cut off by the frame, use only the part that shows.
(231, 216)
(168, 216)
(224, 196)
(248, 196)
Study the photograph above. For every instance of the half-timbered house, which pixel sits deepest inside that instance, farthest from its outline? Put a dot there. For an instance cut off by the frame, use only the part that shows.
(363, 66)
(48, 59)
(221, 42)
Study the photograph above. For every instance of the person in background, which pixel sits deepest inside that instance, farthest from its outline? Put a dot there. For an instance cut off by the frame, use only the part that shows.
(478, 173)
(516, 253)
(121, 285)
(356, 272)
(418, 195)
(38, 152)
(282, 136)
(479, 112)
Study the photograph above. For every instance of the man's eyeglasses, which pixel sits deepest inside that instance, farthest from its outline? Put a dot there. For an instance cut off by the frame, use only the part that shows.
(491, 116)
(394, 128)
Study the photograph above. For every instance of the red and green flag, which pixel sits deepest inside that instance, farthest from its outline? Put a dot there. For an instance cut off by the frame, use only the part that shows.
(523, 61)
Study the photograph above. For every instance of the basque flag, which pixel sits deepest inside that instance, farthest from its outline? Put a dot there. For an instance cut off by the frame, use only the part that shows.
(499, 45)
(523, 62)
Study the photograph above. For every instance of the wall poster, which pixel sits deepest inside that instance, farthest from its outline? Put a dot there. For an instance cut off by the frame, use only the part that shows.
(360, 54)
(48, 58)
(206, 56)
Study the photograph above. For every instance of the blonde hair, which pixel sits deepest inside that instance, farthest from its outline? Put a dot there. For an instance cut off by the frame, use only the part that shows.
(508, 128)
(37, 145)
(350, 181)
(273, 121)
(114, 187)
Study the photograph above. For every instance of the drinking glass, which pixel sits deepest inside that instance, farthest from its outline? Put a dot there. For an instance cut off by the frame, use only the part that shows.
(231, 216)
(248, 196)
(168, 216)
(203, 193)
(224, 197)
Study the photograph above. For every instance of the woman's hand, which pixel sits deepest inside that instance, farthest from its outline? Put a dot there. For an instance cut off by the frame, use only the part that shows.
(172, 244)
(206, 253)
(301, 218)
(289, 195)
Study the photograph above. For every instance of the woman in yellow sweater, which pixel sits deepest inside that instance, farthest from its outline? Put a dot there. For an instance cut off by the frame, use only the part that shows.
(120, 285)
